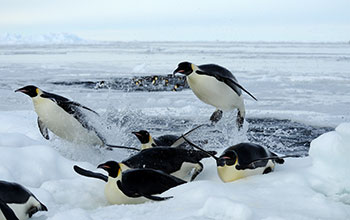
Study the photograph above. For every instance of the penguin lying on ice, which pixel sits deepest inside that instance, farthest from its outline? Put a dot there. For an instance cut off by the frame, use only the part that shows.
(216, 86)
(244, 159)
(134, 185)
(182, 163)
(16, 202)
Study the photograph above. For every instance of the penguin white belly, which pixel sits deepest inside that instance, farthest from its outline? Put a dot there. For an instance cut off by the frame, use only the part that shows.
(186, 171)
(229, 173)
(213, 92)
(63, 124)
(115, 196)
(21, 210)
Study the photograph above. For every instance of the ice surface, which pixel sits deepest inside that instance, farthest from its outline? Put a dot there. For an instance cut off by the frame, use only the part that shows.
(308, 83)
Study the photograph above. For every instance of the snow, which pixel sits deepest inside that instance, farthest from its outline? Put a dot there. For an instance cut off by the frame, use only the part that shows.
(331, 155)
(309, 188)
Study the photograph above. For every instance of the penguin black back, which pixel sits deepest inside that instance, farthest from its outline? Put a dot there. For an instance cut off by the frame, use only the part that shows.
(13, 193)
(163, 158)
(249, 152)
(141, 182)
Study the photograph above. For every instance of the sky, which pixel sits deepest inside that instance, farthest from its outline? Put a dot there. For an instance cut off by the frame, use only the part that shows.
(181, 20)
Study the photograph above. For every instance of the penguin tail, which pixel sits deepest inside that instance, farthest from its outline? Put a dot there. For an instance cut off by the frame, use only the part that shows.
(279, 160)
(43, 207)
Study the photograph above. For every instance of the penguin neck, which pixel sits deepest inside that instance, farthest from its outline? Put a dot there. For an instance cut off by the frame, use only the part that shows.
(149, 144)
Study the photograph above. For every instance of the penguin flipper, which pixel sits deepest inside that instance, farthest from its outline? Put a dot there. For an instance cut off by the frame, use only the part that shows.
(227, 78)
(157, 198)
(7, 211)
(89, 173)
(43, 129)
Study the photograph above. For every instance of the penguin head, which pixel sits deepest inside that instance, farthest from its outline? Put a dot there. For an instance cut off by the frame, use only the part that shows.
(228, 158)
(30, 90)
(185, 68)
(112, 167)
(143, 136)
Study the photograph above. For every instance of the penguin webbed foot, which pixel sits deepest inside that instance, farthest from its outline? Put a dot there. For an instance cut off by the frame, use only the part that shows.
(216, 116)
(32, 211)
(239, 120)
(267, 170)
(197, 171)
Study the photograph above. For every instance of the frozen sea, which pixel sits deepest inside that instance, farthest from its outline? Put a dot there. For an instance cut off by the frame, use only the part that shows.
(303, 91)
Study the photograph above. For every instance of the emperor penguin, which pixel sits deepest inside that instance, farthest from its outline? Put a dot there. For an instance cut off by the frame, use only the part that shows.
(17, 202)
(63, 117)
(182, 163)
(132, 186)
(243, 160)
(168, 140)
(216, 86)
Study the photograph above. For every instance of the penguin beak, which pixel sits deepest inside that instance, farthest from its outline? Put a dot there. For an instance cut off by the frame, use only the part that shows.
(22, 90)
(178, 71)
(103, 166)
(137, 134)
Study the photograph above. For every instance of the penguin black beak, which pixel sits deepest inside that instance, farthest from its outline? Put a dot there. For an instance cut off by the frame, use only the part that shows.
(22, 90)
(103, 166)
(178, 71)
(137, 134)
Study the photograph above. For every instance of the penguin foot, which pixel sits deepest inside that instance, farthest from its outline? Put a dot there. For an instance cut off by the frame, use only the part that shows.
(239, 120)
(32, 211)
(197, 171)
(267, 170)
(216, 116)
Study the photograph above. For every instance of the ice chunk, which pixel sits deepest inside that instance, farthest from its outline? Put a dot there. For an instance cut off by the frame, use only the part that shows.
(330, 171)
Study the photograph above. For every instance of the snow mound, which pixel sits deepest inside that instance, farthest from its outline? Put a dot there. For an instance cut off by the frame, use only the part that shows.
(50, 38)
(331, 155)
(223, 208)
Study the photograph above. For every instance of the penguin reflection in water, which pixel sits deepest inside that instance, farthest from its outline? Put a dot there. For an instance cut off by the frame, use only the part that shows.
(244, 159)
(216, 86)
(17, 203)
(65, 118)
(134, 185)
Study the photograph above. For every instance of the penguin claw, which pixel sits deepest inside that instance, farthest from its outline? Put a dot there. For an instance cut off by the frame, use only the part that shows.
(216, 116)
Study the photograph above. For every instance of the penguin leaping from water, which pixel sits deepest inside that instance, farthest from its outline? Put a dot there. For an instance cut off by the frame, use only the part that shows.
(63, 117)
(17, 203)
(216, 86)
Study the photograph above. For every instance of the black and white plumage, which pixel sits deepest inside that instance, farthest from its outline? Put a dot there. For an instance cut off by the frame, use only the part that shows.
(182, 163)
(16, 202)
(216, 86)
(134, 185)
(168, 140)
(244, 159)
(63, 117)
